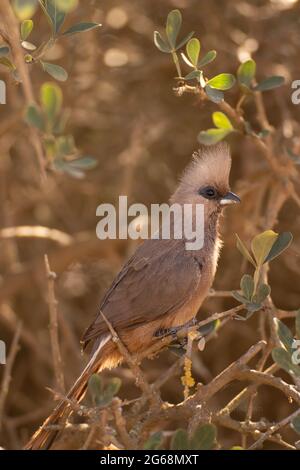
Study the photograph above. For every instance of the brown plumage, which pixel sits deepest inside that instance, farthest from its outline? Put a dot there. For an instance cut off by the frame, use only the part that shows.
(162, 285)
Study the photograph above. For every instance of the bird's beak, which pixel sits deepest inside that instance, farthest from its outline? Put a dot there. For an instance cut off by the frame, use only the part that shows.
(229, 198)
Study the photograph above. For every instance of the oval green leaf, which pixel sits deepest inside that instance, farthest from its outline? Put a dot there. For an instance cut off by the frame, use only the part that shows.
(269, 83)
(66, 5)
(26, 28)
(180, 440)
(284, 334)
(212, 136)
(160, 43)
(81, 28)
(24, 8)
(209, 57)
(204, 438)
(4, 50)
(262, 244)
(7, 63)
(185, 40)
(51, 100)
(193, 50)
(283, 241)
(221, 121)
(246, 72)
(223, 81)
(154, 441)
(247, 286)
(173, 26)
(244, 251)
(34, 117)
(214, 95)
(56, 71)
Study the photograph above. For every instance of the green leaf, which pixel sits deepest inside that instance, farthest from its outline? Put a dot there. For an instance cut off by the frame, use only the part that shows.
(65, 145)
(221, 121)
(252, 307)
(154, 441)
(34, 117)
(239, 297)
(66, 5)
(208, 328)
(81, 28)
(95, 388)
(223, 81)
(54, 16)
(209, 57)
(204, 437)
(24, 8)
(269, 83)
(185, 40)
(262, 244)
(4, 50)
(212, 136)
(180, 440)
(283, 359)
(194, 74)
(28, 46)
(7, 63)
(173, 26)
(297, 324)
(84, 163)
(216, 96)
(262, 293)
(62, 166)
(51, 100)
(247, 286)
(111, 390)
(26, 28)
(285, 335)
(282, 242)
(160, 43)
(193, 50)
(243, 249)
(295, 424)
(56, 71)
(246, 72)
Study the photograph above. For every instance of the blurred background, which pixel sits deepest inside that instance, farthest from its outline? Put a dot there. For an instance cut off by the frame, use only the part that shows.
(123, 112)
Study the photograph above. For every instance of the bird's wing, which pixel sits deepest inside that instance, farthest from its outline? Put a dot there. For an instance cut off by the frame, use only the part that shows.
(158, 279)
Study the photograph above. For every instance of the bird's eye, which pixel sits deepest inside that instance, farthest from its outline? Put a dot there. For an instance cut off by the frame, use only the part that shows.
(209, 192)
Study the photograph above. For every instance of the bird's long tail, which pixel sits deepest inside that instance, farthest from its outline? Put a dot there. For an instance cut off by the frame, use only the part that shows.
(44, 436)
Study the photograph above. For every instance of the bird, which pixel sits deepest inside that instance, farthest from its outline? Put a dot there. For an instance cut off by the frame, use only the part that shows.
(161, 287)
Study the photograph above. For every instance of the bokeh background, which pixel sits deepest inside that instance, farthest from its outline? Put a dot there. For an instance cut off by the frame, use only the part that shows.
(123, 111)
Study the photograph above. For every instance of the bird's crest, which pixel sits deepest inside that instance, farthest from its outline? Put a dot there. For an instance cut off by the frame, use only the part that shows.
(210, 166)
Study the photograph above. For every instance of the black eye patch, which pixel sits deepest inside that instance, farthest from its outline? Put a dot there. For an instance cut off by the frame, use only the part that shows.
(209, 192)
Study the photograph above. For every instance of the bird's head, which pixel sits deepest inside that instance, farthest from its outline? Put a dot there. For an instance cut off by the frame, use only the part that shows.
(206, 180)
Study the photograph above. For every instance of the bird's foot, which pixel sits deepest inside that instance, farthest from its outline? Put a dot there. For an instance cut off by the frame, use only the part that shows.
(162, 332)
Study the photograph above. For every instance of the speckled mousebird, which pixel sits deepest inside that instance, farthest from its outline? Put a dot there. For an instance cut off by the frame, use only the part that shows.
(162, 285)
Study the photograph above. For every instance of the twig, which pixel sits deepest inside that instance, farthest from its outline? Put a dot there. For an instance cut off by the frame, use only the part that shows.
(53, 327)
(8, 370)
(121, 425)
(273, 429)
(37, 231)
(266, 379)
